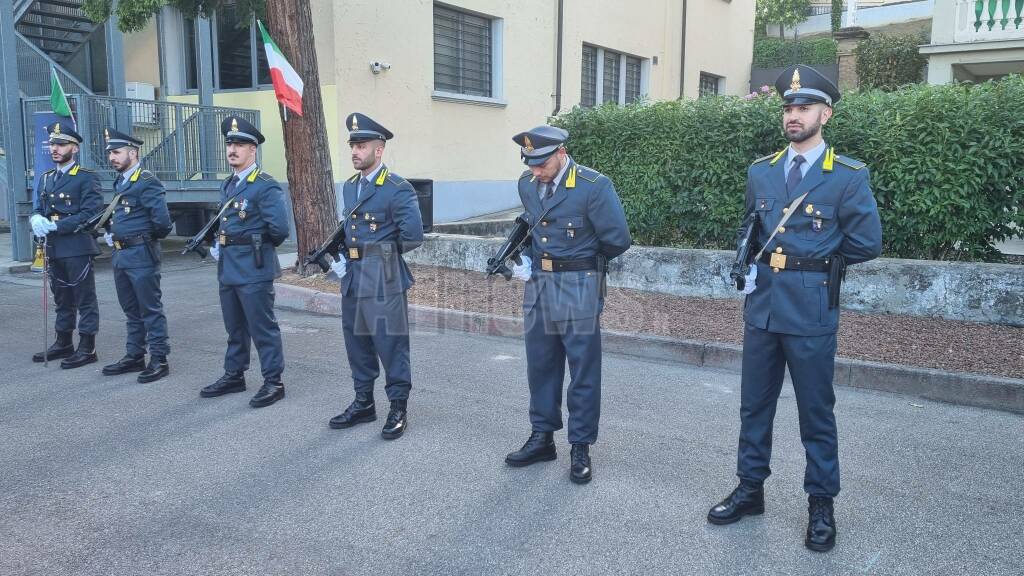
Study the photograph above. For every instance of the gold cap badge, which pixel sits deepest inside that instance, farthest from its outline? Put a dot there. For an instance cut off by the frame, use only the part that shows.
(355, 122)
(106, 134)
(527, 145)
(234, 124)
(56, 128)
(795, 84)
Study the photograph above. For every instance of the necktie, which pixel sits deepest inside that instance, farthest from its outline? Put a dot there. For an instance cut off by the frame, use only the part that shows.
(230, 190)
(544, 190)
(363, 183)
(119, 181)
(795, 174)
(56, 177)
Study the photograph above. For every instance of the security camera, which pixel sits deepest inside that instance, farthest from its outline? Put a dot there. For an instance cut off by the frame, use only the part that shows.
(378, 67)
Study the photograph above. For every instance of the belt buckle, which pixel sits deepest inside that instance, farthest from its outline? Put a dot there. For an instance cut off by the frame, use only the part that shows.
(222, 240)
(547, 265)
(117, 244)
(353, 253)
(778, 261)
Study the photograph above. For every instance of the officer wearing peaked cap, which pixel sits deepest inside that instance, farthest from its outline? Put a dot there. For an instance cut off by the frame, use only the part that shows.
(384, 223)
(137, 219)
(814, 213)
(68, 196)
(253, 222)
(577, 225)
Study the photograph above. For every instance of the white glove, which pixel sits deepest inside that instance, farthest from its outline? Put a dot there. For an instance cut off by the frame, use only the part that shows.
(523, 271)
(339, 268)
(108, 238)
(38, 224)
(750, 280)
(215, 251)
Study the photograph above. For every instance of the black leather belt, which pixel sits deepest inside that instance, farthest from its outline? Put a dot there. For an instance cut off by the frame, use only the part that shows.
(789, 262)
(380, 249)
(552, 265)
(245, 240)
(122, 243)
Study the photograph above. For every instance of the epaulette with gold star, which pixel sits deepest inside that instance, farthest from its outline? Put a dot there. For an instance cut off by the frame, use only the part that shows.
(588, 174)
(850, 162)
(774, 157)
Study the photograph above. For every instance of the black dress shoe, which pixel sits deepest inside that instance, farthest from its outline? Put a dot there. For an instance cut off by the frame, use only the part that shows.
(821, 524)
(396, 423)
(157, 369)
(580, 471)
(540, 447)
(745, 500)
(62, 347)
(270, 392)
(362, 409)
(229, 383)
(84, 354)
(125, 365)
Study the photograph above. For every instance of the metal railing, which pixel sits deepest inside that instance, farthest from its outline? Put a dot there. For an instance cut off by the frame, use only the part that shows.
(983, 20)
(820, 9)
(34, 71)
(181, 142)
(20, 7)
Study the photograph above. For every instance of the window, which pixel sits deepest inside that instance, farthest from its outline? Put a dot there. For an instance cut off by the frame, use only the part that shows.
(709, 85)
(462, 53)
(239, 60)
(589, 96)
(622, 77)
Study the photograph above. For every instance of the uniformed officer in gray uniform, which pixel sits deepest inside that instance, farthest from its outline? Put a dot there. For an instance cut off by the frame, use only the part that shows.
(254, 221)
(816, 212)
(384, 222)
(577, 225)
(69, 195)
(137, 219)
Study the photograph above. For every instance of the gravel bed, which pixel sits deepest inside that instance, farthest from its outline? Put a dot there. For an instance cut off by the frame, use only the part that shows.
(893, 339)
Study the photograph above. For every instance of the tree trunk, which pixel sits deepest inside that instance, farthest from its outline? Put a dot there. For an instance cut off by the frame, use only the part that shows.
(308, 156)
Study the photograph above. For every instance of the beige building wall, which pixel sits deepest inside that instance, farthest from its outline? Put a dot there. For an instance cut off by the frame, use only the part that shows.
(142, 56)
(719, 41)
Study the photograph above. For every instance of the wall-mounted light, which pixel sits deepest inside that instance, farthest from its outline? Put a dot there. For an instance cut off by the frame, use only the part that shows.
(378, 67)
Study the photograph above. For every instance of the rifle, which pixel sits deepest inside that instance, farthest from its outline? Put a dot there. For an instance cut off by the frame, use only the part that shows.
(195, 244)
(510, 250)
(744, 253)
(328, 251)
(91, 223)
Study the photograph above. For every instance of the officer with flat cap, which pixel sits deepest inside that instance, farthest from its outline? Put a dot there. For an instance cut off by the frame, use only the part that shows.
(67, 196)
(137, 218)
(815, 214)
(576, 225)
(384, 222)
(254, 221)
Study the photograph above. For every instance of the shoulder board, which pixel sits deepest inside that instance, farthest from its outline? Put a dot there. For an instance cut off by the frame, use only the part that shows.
(50, 171)
(147, 175)
(773, 157)
(396, 179)
(526, 174)
(588, 174)
(354, 178)
(264, 176)
(850, 162)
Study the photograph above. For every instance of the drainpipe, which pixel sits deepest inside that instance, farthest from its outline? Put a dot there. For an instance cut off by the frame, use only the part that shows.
(682, 57)
(558, 60)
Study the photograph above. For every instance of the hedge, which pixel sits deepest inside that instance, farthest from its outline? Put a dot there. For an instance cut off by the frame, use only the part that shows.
(945, 163)
(889, 61)
(777, 53)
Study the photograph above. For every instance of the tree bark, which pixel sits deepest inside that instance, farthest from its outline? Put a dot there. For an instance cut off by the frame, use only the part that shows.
(307, 153)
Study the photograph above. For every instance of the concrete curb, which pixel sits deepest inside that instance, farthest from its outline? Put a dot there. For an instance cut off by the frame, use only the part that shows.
(1006, 394)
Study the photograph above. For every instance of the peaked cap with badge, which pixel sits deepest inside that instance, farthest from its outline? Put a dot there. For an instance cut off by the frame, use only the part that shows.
(538, 144)
(800, 84)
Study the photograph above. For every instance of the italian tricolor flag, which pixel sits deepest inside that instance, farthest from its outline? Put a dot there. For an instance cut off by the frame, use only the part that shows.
(287, 84)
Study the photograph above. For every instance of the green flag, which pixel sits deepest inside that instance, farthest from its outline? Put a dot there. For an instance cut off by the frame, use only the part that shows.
(58, 100)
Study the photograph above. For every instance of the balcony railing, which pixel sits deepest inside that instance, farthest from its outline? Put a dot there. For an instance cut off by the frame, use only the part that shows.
(182, 144)
(988, 20)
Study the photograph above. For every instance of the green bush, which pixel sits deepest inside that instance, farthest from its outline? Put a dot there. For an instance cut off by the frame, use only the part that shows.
(887, 62)
(776, 53)
(945, 163)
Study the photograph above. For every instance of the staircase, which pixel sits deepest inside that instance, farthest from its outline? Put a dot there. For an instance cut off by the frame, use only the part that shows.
(58, 28)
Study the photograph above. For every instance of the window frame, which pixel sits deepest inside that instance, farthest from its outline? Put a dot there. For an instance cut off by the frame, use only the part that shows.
(719, 84)
(622, 64)
(497, 97)
(254, 45)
